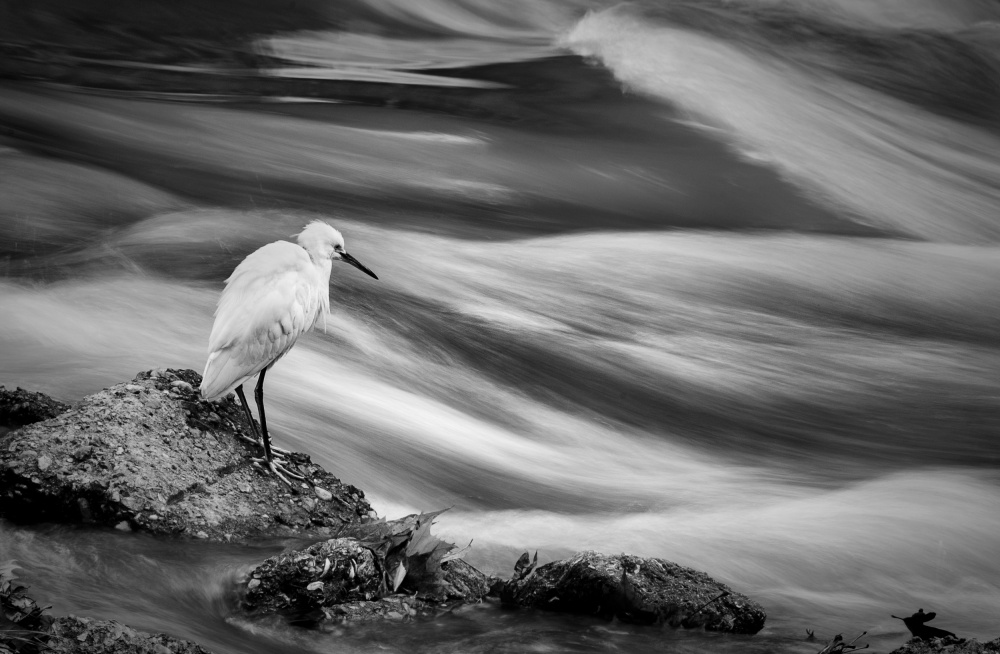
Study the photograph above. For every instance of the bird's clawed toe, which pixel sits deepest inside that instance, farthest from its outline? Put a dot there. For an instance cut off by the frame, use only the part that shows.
(277, 466)
(278, 452)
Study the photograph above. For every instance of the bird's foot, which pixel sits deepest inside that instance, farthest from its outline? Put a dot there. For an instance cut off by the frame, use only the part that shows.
(277, 466)
(259, 442)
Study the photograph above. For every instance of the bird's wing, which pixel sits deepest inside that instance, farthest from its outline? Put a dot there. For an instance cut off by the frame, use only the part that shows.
(271, 299)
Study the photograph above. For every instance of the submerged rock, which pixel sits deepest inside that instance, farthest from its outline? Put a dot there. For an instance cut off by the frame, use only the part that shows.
(150, 455)
(383, 570)
(635, 590)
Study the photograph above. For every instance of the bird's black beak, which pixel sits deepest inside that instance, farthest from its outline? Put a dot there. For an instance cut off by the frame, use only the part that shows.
(357, 264)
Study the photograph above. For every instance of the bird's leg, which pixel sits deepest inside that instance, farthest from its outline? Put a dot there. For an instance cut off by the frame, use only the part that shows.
(258, 395)
(277, 467)
(246, 410)
(259, 442)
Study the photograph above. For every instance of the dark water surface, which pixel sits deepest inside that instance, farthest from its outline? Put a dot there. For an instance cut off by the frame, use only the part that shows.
(712, 281)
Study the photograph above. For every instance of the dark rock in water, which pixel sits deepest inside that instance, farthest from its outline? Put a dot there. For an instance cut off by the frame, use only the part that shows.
(636, 590)
(20, 407)
(916, 623)
(332, 572)
(382, 570)
(949, 644)
(71, 635)
(149, 455)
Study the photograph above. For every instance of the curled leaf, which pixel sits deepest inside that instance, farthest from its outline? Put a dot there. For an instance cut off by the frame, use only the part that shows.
(524, 566)
(398, 576)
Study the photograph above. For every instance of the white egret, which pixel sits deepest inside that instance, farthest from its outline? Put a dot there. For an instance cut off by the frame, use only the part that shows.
(275, 295)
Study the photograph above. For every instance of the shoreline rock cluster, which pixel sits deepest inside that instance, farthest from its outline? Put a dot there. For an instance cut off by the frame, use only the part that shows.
(148, 455)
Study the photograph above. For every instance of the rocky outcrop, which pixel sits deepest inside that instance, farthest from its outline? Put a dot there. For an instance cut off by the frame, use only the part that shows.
(635, 590)
(150, 455)
(948, 645)
(382, 570)
(20, 407)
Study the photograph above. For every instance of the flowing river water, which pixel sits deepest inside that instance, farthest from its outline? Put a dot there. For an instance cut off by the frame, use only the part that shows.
(710, 281)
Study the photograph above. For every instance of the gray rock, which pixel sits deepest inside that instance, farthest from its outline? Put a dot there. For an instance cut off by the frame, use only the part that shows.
(20, 407)
(177, 466)
(72, 635)
(344, 569)
(950, 645)
(636, 590)
(356, 578)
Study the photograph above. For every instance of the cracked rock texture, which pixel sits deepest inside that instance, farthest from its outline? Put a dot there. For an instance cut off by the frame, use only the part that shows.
(149, 455)
(636, 590)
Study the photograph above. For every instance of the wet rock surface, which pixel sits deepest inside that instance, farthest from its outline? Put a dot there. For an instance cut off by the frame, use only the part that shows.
(149, 455)
(384, 570)
(72, 635)
(636, 590)
(950, 645)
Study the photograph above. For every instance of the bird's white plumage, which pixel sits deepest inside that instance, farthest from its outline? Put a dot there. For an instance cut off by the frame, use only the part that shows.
(273, 296)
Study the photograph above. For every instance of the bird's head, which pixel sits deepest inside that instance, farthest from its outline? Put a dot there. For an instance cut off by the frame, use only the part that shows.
(322, 242)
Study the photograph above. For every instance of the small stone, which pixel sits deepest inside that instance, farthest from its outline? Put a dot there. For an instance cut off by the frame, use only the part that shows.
(323, 494)
(253, 584)
(44, 462)
(394, 615)
(181, 385)
(244, 487)
(123, 526)
(120, 451)
(316, 585)
(133, 388)
(153, 402)
(201, 534)
(153, 516)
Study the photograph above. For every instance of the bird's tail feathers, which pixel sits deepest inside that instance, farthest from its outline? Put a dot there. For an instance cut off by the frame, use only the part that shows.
(222, 374)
